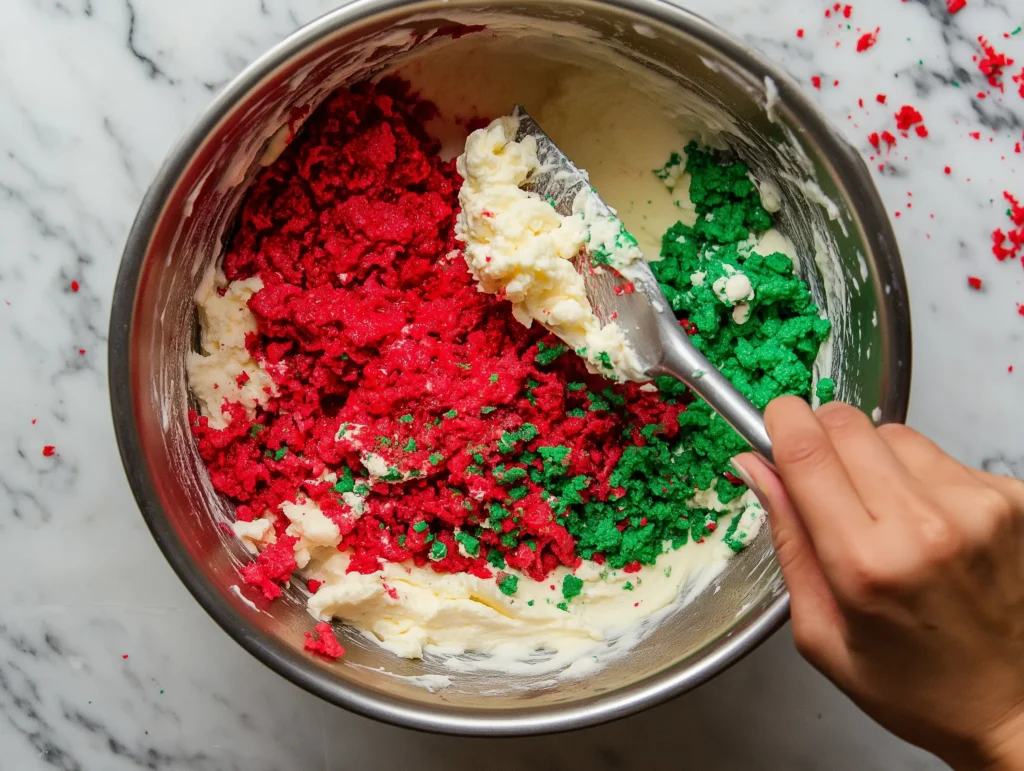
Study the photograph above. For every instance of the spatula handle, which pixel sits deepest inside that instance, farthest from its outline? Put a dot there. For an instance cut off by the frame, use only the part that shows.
(684, 362)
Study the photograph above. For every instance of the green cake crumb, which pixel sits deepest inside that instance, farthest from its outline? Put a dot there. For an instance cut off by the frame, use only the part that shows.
(571, 587)
(508, 585)
(825, 390)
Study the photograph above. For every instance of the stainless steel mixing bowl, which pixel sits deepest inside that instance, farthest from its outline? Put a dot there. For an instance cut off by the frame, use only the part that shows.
(848, 254)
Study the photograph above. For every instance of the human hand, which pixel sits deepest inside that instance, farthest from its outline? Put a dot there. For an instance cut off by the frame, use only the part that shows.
(906, 577)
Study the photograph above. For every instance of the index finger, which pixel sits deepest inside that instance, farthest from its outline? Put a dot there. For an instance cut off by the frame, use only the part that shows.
(815, 477)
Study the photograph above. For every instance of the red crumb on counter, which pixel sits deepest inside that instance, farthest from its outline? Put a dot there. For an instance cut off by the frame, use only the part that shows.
(322, 640)
(49, 450)
(1009, 245)
(868, 39)
(992, 63)
(816, 81)
(953, 6)
(974, 282)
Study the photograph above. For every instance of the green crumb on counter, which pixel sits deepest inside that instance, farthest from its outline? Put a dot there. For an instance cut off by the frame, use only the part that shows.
(508, 585)
(571, 587)
(530, 603)
(563, 606)
(825, 390)
(438, 551)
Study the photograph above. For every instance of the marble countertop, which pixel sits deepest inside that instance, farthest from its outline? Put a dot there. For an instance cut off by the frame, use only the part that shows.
(106, 662)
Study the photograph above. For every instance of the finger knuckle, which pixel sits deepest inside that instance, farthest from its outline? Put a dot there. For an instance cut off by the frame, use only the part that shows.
(809, 638)
(864, 579)
(803, 448)
(940, 540)
(839, 417)
(897, 433)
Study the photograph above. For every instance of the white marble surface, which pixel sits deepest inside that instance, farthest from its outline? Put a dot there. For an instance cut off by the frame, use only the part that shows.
(105, 660)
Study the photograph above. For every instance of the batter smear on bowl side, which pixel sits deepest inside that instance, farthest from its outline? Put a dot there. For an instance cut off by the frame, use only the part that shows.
(440, 475)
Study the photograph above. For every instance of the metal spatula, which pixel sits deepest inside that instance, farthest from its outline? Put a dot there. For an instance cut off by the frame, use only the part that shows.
(644, 315)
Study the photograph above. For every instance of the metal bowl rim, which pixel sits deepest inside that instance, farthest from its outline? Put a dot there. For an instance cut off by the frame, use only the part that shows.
(672, 682)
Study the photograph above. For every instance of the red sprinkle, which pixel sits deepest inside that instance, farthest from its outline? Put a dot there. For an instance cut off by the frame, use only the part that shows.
(880, 98)
(322, 640)
(867, 40)
(81, 351)
(847, 10)
(975, 135)
(1020, 309)
(124, 655)
(921, 131)
(800, 32)
(953, 6)
(313, 585)
(874, 140)
(49, 451)
(816, 81)
(75, 286)
(974, 282)
(948, 170)
(888, 138)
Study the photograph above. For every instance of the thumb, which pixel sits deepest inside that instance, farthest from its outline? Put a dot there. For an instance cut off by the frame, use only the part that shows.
(818, 627)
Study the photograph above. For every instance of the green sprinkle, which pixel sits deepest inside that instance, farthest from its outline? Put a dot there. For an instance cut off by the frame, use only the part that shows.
(494, 378)
(410, 446)
(628, 586)
(576, 386)
(435, 458)
(420, 526)
(563, 606)
(530, 603)
(571, 586)
(360, 489)
(576, 413)
(508, 585)
(255, 430)
(487, 410)
(405, 419)
(451, 413)
(401, 541)
(280, 453)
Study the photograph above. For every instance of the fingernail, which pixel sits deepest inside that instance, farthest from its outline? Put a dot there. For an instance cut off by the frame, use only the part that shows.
(748, 480)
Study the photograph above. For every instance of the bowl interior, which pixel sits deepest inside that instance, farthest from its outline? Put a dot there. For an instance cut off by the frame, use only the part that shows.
(829, 210)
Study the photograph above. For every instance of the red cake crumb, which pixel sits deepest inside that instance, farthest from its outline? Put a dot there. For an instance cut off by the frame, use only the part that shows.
(322, 640)
(992, 63)
(868, 39)
(49, 451)
(907, 117)
(974, 282)
(364, 320)
(953, 6)
(816, 81)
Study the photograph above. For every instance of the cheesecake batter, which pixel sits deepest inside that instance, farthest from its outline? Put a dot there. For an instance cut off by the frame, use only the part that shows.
(441, 476)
